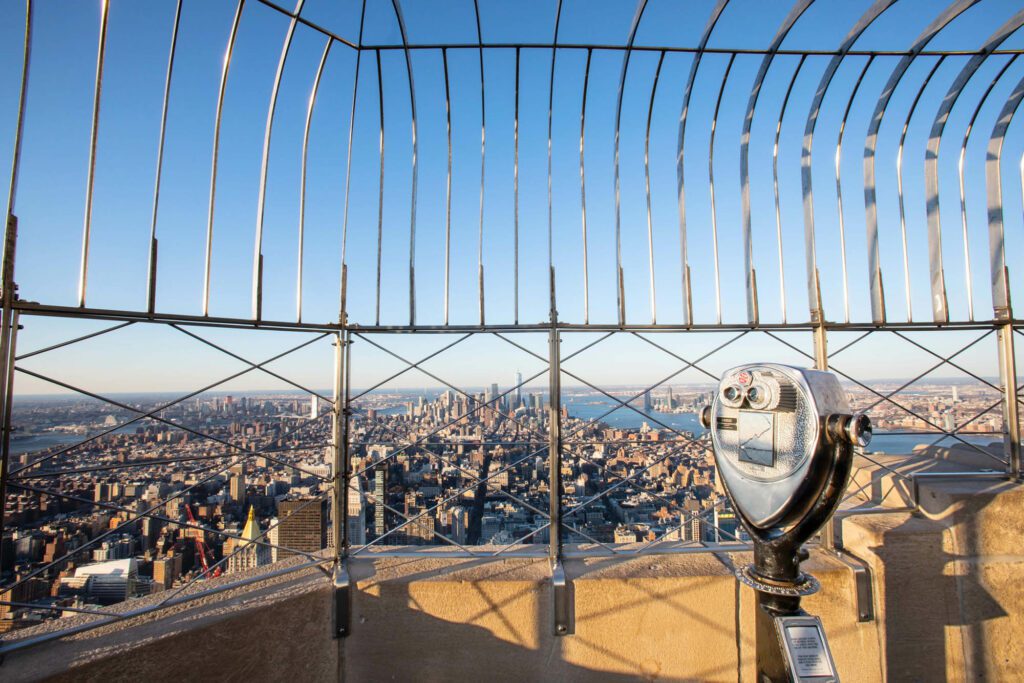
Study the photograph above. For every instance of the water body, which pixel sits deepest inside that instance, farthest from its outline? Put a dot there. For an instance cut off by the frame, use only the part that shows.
(30, 444)
(581, 407)
(38, 442)
(593, 407)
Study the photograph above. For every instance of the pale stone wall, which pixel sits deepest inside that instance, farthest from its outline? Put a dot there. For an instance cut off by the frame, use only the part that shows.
(660, 618)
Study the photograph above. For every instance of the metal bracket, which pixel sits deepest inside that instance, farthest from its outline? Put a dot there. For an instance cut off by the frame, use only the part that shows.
(342, 601)
(561, 590)
(862, 582)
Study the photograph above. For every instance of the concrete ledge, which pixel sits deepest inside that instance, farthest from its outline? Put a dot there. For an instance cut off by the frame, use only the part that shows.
(949, 581)
(671, 617)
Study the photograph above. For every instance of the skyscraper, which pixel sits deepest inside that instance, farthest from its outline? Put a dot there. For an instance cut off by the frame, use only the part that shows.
(248, 553)
(236, 487)
(459, 521)
(378, 501)
(356, 514)
(519, 390)
(314, 407)
(303, 526)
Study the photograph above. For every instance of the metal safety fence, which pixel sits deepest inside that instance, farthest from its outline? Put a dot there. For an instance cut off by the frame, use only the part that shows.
(440, 265)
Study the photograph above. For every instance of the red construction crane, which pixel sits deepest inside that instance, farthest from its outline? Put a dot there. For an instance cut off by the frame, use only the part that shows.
(201, 547)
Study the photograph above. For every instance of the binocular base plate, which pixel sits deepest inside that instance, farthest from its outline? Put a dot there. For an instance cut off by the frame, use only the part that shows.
(805, 584)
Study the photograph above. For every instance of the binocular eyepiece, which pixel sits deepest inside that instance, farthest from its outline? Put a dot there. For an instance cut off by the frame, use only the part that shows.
(856, 428)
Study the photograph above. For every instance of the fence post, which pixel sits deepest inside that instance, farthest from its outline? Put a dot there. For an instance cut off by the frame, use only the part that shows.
(339, 446)
(1008, 382)
(8, 341)
(821, 363)
(559, 584)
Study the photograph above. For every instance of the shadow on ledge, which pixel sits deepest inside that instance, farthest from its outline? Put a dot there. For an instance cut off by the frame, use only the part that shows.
(281, 630)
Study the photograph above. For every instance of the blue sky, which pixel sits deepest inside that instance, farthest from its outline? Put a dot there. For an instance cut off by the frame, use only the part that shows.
(51, 195)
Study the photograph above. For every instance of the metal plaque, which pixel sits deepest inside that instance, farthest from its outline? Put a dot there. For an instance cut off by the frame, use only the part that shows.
(807, 654)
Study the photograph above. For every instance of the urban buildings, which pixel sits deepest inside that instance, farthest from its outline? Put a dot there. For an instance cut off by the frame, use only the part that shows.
(302, 524)
(247, 553)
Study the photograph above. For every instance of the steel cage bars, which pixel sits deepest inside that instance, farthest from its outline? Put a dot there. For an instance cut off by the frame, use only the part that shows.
(561, 511)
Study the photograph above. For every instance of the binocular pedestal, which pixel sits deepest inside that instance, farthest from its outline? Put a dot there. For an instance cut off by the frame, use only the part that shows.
(783, 441)
(791, 644)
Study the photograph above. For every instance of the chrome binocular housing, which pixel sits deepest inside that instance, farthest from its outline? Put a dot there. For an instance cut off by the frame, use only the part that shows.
(783, 440)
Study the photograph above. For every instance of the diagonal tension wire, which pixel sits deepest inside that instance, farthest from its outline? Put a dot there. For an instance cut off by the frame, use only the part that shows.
(162, 518)
(165, 406)
(253, 365)
(257, 541)
(884, 398)
(184, 428)
(657, 384)
(451, 386)
(411, 365)
(69, 342)
(433, 432)
(622, 404)
(147, 512)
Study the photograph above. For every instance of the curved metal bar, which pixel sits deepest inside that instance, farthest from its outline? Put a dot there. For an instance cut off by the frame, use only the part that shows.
(839, 186)
(91, 177)
(551, 101)
(380, 183)
(647, 189)
(994, 192)
(583, 190)
(711, 184)
(151, 269)
(810, 247)
(940, 305)
(257, 258)
(799, 7)
(899, 181)
(448, 184)
(302, 175)
(775, 183)
(515, 202)
(483, 161)
(8, 289)
(716, 12)
(348, 155)
(620, 289)
(216, 151)
(963, 196)
(19, 125)
(412, 107)
(870, 206)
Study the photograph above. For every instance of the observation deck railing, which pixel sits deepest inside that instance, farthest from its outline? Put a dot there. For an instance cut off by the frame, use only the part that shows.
(613, 229)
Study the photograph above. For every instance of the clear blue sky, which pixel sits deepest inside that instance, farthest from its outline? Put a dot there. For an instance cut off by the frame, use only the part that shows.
(56, 147)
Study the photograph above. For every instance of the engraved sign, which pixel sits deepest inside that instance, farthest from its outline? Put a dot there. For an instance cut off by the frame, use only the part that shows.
(808, 652)
(757, 437)
(806, 649)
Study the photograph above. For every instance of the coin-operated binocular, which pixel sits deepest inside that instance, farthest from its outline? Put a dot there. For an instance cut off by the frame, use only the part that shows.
(783, 440)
